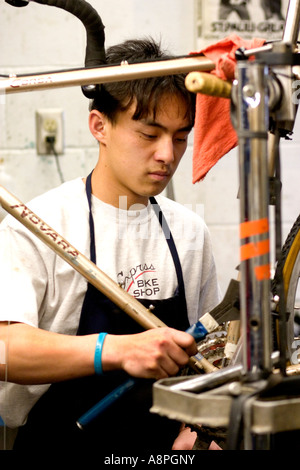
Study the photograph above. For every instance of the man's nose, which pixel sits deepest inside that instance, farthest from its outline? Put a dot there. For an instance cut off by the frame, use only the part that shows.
(165, 151)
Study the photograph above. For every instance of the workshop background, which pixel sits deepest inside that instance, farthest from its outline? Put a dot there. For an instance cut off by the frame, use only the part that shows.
(40, 38)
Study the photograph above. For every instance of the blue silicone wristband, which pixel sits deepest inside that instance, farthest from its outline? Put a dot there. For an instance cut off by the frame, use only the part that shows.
(98, 354)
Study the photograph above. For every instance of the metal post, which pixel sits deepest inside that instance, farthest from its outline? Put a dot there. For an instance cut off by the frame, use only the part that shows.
(254, 228)
(291, 30)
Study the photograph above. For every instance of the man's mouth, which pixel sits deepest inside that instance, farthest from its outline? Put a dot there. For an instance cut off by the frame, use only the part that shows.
(160, 175)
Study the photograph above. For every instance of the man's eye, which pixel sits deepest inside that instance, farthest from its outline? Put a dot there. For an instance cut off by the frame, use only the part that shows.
(149, 136)
(181, 139)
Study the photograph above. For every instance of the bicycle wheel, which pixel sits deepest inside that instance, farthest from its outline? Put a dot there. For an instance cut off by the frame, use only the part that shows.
(289, 265)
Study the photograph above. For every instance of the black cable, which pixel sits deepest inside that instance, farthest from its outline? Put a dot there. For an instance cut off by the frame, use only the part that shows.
(51, 142)
(282, 314)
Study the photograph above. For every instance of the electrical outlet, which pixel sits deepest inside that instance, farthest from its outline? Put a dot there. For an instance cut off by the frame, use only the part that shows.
(49, 123)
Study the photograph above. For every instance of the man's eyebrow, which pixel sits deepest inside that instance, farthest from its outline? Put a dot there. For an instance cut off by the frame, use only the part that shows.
(152, 123)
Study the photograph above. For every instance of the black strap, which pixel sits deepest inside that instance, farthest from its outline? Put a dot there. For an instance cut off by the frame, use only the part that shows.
(91, 220)
(169, 238)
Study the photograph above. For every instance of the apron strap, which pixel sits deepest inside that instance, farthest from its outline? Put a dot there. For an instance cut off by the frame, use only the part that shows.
(88, 188)
(169, 238)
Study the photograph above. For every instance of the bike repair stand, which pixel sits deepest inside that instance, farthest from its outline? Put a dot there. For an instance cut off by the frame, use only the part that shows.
(254, 400)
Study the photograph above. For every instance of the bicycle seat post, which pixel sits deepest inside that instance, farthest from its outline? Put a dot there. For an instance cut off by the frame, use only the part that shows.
(252, 109)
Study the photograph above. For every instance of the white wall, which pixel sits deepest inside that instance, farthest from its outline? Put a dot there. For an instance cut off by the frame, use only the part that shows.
(41, 38)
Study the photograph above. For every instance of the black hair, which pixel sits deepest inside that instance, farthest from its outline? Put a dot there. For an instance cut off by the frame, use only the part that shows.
(114, 97)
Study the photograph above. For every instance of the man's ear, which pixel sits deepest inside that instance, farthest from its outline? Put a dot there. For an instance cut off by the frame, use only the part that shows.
(97, 125)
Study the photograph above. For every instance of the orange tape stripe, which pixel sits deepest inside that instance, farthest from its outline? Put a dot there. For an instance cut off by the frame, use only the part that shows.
(251, 250)
(254, 227)
(262, 272)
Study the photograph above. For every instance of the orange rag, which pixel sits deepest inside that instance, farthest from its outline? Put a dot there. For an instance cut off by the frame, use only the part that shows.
(214, 135)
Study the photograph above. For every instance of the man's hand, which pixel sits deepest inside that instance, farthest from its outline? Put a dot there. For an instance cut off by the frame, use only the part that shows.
(155, 354)
(185, 439)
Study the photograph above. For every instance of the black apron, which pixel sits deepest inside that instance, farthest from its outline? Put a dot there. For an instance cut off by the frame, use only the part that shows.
(127, 424)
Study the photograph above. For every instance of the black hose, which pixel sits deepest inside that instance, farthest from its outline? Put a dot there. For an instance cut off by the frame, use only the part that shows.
(17, 3)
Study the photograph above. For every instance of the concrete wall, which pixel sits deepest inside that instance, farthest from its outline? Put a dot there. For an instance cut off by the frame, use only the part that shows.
(41, 38)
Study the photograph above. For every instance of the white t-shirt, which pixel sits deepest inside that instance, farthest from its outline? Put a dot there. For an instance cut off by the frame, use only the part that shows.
(39, 288)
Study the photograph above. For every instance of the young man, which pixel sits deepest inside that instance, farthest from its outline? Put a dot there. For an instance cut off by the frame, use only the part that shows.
(51, 319)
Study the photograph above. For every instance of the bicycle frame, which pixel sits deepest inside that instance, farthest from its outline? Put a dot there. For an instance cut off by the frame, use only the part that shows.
(253, 111)
(254, 108)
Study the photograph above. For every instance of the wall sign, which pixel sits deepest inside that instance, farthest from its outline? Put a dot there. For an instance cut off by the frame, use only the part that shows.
(217, 19)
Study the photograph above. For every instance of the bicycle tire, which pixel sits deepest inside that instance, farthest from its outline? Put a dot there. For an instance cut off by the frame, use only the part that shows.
(289, 265)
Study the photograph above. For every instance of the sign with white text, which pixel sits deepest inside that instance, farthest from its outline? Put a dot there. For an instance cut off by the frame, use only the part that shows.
(217, 19)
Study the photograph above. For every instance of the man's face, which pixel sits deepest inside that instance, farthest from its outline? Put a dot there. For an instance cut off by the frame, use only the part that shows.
(142, 156)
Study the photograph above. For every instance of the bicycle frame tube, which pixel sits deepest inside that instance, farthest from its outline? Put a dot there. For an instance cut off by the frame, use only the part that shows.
(78, 261)
(93, 76)
(254, 228)
(291, 30)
